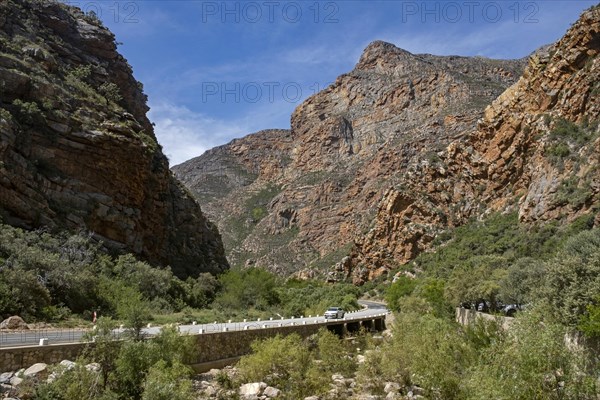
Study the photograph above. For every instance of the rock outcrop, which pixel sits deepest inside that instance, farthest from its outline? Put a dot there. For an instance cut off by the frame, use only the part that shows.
(537, 150)
(403, 147)
(76, 148)
(296, 200)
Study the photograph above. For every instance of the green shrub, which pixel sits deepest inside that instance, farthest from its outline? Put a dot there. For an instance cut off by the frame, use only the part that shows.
(81, 72)
(532, 361)
(427, 351)
(111, 92)
(28, 113)
(404, 286)
(573, 277)
(282, 362)
(168, 382)
(252, 287)
(334, 356)
(479, 277)
(521, 281)
(558, 150)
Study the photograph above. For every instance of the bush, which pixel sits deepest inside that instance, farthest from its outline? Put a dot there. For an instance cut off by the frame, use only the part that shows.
(531, 362)
(478, 278)
(22, 293)
(521, 281)
(589, 323)
(253, 287)
(334, 356)
(282, 362)
(573, 278)
(165, 382)
(427, 351)
(111, 92)
(28, 113)
(404, 286)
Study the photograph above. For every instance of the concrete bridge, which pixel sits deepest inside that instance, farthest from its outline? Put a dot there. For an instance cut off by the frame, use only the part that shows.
(217, 344)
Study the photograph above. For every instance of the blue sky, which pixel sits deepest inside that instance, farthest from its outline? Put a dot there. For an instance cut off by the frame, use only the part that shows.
(216, 70)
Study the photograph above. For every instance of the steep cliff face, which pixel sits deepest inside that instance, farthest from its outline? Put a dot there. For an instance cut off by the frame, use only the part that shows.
(296, 201)
(536, 150)
(76, 148)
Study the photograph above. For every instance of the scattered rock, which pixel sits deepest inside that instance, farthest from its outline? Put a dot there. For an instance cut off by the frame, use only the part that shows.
(391, 387)
(5, 388)
(252, 389)
(15, 381)
(271, 392)
(94, 367)
(68, 365)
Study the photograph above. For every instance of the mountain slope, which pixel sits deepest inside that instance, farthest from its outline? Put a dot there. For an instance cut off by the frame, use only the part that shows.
(296, 201)
(536, 150)
(76, 148)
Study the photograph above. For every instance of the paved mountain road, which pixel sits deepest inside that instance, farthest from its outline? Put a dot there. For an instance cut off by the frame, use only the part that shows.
(32, 338)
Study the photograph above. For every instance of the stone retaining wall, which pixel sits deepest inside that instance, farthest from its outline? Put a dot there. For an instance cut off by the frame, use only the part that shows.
(465, 317)
(15, 358)
(211, 347)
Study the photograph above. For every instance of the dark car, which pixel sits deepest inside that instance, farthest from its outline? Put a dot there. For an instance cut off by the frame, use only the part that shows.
(511, 309)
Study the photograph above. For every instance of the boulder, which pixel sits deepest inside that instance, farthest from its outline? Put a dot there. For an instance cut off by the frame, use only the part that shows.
(94, 367)
(391, 387)
(6, 376)
(15, 381)
(5, 388)
(210, 391)
(67, 365)
(13, 323)
(36, 370)
(252, 389)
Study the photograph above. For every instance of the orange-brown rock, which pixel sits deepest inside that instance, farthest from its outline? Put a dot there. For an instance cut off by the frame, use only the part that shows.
(402, 147)
(298, 199)
(511, 161)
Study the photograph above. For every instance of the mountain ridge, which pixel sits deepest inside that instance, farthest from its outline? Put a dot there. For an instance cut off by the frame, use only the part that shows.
(319, 189)
(77, 149)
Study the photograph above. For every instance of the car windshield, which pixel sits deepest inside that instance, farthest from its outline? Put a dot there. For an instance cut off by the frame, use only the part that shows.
(332, 309)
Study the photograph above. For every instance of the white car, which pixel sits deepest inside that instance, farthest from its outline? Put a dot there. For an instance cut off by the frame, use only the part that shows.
(334, 312)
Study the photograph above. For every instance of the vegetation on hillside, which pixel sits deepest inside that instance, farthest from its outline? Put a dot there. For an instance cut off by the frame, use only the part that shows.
(549, 352)
(138, 370)
(554, 268)
(46, 277)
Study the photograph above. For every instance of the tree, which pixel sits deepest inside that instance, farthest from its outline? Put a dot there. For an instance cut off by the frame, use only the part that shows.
(478, 278)
(403, 286)
(573, 278)
(281, 361)
(521, 280)
(168, 382)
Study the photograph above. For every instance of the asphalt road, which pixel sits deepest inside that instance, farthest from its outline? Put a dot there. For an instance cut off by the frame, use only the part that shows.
(28, 338)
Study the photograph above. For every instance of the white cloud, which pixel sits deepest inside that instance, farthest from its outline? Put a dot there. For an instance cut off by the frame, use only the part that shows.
(185, 134)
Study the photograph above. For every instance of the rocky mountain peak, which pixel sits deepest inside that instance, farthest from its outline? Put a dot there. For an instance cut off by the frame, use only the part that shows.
(380, 53)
